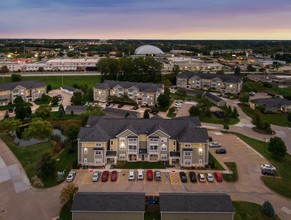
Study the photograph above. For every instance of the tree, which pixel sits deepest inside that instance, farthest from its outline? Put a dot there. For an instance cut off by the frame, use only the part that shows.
(164, 100)
(244, 97)
(9, 124)
(4, 69)
(18, 100)
(61, 111)
(68, 192)
(15, 77)
(268, 209)
(289, 117)
(48, 88)
(234, 113)
(226, 127)
(38, 129)
(28, 110)
(43, 111)
(77, 98)
(250, 68)
(20, 112)
(176, 69)
(237, 70)
(146, 114)
(277, 148)
(194, 110)
(55, 101)
(71, 133)
(6, 115)
(46, 165)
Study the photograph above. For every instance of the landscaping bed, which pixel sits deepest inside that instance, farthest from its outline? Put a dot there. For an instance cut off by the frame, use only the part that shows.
(231, 177)
(140, 165)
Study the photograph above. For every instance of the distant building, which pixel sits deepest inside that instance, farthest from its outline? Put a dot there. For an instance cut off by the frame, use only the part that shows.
(141, 93)
(148, 50)
(210, 82)
(70, 90)
(271, 104)
(214, 99)
(28, 90)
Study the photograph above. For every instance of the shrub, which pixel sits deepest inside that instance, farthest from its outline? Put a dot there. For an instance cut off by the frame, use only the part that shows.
(268, 209)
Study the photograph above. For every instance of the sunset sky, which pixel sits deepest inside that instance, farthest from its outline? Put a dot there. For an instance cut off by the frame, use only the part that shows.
(146, 19)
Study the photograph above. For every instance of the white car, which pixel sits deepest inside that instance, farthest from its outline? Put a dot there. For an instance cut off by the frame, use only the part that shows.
(209, 177)
(131, 175)
(71, 176)
(140, 174)
(95, 176)
(267, 166)
(201, 177)
(214, 144)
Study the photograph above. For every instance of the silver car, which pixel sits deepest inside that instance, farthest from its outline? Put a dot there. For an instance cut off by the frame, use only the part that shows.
(71, 176)
(95, 176)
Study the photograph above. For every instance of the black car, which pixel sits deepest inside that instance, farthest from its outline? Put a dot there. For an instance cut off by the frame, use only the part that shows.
(220, 151)
(269, 172)
(135, 107)
(120, 105)
(193, 177)
(183, 177)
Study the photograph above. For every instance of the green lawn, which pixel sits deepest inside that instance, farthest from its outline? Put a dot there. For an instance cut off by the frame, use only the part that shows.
(231, 177)
(249, 211)
(65, 213)
(281, 184)
(151, 216)
(138, 165)
(29, 156)
(56, 81)
(213, 119)
(275, 119)
(217, 165)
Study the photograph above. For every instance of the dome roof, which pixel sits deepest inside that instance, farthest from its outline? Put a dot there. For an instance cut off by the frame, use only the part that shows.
(148, 49)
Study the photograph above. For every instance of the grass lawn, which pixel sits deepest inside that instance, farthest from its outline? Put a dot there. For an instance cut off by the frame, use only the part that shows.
(140, 165)
(213, 119)
(250, 211)
(217, 165)
(281, 184)
(275, 119)
(56, 81)
(29, 156)
(65, 213)
(55, 115)
(231, 177)
(152, 215)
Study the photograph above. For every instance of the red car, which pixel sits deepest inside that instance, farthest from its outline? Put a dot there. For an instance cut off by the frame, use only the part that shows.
(114, 175)
(150, 175)
(218, 176)
(104, 176)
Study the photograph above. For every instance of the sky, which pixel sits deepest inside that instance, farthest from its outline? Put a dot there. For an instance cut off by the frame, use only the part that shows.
(146, 19)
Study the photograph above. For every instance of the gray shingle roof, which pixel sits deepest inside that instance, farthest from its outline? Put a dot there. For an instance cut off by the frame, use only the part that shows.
(185, 129)
(76, 108)
(143, 87)
(29, 84)
(213, 97)
(224, 78)
(271, 102)
(195, 202)
(109, 201)
(121, 112)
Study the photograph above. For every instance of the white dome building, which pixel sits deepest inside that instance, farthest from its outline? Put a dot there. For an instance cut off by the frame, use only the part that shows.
(148, 50)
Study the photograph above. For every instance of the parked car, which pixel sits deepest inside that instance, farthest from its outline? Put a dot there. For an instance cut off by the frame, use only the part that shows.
(105, 176)
(210, 139)
(268, 166)
(220, 151)
(201, 177)
(135, 107)
(192, 176)
(120, 105)
(214, 144)
(71, 176)
(114, 175)
(158, 175)
(153, 201)
(269, 172)
(59, 97)
(217, 176)
(183, 177)
(209, 177)
(131, 175)
(150, 175)
(95, 176)
(140, 174)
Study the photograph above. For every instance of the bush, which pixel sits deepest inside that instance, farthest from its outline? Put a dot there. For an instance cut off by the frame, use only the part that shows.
(268, 209)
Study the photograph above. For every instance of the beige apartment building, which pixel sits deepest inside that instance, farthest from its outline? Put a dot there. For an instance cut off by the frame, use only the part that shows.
(141, 93)
(109, 140)
(210, 82)
(28, 90)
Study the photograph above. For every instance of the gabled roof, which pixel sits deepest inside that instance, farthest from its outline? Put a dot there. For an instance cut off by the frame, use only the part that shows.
(224, 78)
(186, 129)
(29, 84)
(213, 97)
(142, 87)
(195, 203)
(121, 112)
(109, 202)
(271, 102)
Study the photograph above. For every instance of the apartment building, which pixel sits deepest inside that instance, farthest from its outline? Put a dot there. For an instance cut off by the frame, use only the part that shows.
(141, 93)
(28, 90)
(109, 140)
(213, 82)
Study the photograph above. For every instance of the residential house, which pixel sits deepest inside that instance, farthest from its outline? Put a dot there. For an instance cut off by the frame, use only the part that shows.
(108, 140)
(28, 90)
(214, 99)
(213, 82)
(71, 90)
(141, 93)
(202, 206)
(120, 113)
(108, 205)
(271, 104)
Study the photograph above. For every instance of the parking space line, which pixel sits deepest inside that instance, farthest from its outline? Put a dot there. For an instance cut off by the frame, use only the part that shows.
(87, 178)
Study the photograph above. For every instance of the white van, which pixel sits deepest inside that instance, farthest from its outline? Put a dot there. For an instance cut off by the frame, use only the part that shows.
(140, 174)
(131, 175)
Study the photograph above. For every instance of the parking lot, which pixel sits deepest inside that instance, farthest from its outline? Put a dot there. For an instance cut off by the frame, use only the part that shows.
(66, 98)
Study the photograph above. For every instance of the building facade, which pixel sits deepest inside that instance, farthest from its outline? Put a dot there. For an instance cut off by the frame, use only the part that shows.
(141, 93)
(213, 82)
(28, 90)
(109, 140)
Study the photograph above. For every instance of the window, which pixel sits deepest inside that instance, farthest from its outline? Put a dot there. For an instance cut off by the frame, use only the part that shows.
(174, 142)
(200, 151)
(85, 160)
(111, 142)
(164, 156)
(132, 147)
(164, 147)
(187, 162)
(122, 144)
(187, 145)
(187, 153)
(98, 152)
(98, 144)
(154, 147)
(122, 156)
(200, 161)
(85, 150)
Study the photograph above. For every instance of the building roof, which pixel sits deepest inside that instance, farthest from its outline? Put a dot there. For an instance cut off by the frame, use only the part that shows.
(29, 84)
(142, 87)
(224, 78)
(109, 202)
(121, 112)
(195, 202)
(69, 88)
(271, 102)
(213, 97)
(76, 108)
(185, 129)
(148, 49)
